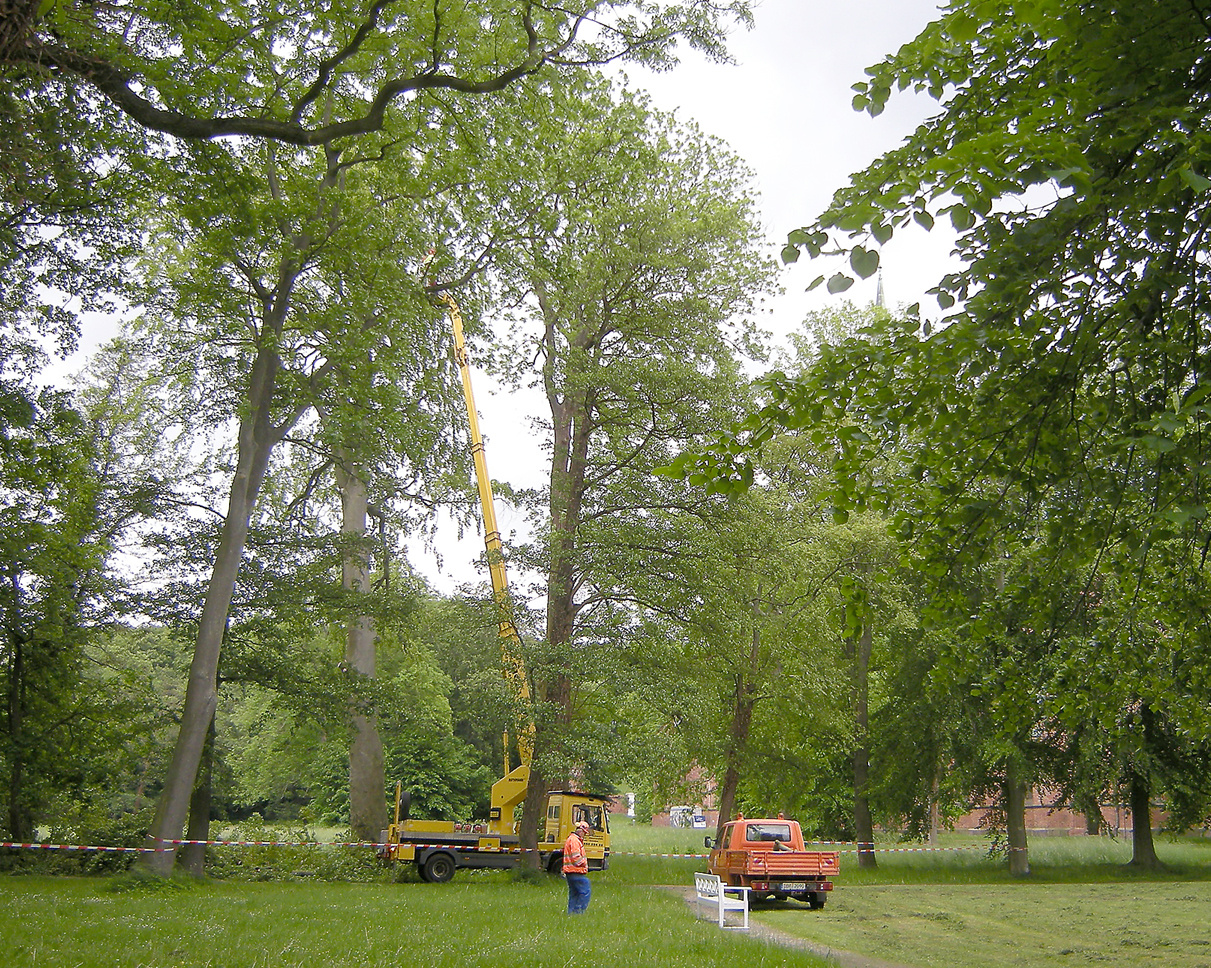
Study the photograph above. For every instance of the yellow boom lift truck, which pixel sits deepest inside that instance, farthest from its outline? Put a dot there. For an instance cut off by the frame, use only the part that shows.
(438, 847)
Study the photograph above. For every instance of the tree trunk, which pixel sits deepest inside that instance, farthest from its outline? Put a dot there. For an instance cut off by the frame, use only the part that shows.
(20, 820)
(743, 700)
(1143, 848)
(863, 825)
(193, 856)
(533, 813)
(367, 780)
(1014, 794)
(1092, 811)
(571, 420)
(935, 793)
(257, 438)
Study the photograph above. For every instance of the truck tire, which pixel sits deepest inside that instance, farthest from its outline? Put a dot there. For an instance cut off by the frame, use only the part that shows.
(555, 863)
(816, 901)
(438, 868)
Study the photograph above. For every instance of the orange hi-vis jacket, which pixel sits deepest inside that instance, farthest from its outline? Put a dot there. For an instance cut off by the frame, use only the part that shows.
(575, 860)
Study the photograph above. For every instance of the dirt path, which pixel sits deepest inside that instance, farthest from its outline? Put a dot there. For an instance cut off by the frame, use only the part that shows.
(846, 959)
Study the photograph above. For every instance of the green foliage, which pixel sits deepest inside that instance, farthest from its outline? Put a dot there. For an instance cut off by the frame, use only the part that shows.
(637, 252)
(139, 881)
(208, 71)
(55, 537)
(289, 854)
(1050, 473)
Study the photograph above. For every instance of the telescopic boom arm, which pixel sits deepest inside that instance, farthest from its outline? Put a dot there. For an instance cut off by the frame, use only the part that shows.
(510, 790)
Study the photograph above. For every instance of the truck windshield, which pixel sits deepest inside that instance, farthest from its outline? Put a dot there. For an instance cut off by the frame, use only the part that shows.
(593, 816)
(768, 833)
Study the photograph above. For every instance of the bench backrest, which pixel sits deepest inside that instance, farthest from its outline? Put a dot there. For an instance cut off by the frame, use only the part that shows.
(707, 884)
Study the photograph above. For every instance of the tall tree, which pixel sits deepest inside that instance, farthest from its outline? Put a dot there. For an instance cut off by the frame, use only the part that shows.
(63, 508)
(229, 272)
(743, 594)
(51, 560)
(641, 260)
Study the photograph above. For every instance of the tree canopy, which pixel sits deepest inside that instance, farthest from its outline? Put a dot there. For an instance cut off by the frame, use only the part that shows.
(295, 74)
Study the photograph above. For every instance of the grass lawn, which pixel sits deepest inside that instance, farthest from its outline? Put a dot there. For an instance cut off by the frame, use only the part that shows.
(475, 920)
(958, 908)
(952, 909)
(1038, 925)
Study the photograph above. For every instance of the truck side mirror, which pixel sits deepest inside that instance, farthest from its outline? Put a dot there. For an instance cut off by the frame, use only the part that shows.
(708, 843)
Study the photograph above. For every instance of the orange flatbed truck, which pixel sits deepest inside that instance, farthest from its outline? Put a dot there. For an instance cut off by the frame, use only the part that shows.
(768, 856)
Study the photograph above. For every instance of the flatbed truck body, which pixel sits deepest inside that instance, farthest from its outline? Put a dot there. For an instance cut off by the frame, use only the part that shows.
(769, 857)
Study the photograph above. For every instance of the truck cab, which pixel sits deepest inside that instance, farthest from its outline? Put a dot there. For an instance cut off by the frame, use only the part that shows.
(565, 809)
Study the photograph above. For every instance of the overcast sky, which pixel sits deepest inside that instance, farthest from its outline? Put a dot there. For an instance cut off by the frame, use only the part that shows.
(784, 107)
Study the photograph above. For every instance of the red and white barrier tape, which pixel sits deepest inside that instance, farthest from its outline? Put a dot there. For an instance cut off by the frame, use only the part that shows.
(851, 848)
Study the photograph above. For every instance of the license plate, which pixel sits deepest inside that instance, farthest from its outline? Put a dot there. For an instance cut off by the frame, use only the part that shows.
(792, 886)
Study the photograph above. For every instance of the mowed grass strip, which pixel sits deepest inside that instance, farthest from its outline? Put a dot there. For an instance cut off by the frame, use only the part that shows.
(473, 921)
(1123, 925)
(959, 908)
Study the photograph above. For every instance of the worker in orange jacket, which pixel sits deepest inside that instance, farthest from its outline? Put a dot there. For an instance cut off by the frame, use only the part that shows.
(576, 869)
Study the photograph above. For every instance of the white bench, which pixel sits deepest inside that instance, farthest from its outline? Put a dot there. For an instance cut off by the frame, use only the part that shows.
(711, 889)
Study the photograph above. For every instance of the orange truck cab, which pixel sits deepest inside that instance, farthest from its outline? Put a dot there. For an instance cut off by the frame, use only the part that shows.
(769, 858)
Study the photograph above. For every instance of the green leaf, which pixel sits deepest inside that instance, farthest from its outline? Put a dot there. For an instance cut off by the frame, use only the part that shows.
(1200, 183)
(790, 253)
(865, 262)
(839, 283)
(924, 219)
(961, 218)
(815, 282)
(963, 28)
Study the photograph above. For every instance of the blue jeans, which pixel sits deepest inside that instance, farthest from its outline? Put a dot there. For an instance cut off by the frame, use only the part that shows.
(578, 893)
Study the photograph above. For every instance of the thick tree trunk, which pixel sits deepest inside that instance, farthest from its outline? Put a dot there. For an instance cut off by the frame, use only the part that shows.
(863, 825)
(193, 856)
(533, 814)
(1014, 794)
(571, 420)
(367, 781)
(257, 438)
(20, 820)
(1143, 847)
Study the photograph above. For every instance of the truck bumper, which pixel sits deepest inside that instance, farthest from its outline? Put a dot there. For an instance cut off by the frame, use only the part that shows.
(792, 888)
